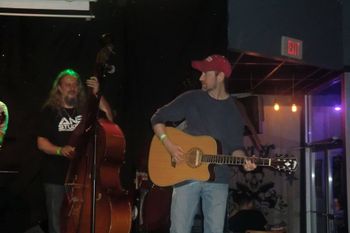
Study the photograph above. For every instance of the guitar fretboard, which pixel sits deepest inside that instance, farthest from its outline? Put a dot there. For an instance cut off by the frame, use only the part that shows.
(234, 160)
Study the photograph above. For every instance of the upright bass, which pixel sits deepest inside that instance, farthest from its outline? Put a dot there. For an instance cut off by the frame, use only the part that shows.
(96, 200)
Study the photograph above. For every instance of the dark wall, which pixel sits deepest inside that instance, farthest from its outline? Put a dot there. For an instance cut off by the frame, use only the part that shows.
(257, 26)
(346, 32)
(162, 38)
(155, 42)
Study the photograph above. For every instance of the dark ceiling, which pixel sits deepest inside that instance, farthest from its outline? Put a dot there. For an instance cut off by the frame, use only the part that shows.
(261, 75)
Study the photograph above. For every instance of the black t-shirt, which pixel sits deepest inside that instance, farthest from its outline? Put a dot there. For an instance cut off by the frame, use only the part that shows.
(247, 220)
(57, 126)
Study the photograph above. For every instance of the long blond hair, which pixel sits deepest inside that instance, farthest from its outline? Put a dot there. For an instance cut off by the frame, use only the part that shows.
(55, 96)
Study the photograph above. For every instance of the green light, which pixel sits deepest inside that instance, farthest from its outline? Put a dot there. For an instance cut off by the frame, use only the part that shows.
(64, 73)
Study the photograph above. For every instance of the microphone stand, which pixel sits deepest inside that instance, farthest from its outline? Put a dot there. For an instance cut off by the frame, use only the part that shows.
(93, 177)
(94, 158)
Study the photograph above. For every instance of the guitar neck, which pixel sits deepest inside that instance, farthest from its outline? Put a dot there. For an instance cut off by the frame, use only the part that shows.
(234, 160)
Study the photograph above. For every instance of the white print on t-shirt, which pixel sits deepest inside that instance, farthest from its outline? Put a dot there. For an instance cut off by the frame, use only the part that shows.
(69, 124)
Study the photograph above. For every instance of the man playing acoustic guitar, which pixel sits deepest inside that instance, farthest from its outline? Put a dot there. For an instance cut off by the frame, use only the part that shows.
(213, 112)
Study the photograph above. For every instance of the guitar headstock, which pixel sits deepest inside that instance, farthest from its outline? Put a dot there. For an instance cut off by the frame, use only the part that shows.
(284, 164)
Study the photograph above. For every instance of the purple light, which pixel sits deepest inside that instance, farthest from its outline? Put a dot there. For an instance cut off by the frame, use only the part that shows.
(337, 108)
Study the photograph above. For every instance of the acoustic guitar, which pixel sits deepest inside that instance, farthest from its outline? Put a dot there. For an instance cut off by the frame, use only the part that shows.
(200, 154)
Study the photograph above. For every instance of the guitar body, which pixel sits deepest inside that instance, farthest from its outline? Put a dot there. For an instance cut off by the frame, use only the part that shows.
(160, 167)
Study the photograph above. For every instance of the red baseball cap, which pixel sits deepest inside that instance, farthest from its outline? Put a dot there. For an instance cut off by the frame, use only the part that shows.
(214, 63)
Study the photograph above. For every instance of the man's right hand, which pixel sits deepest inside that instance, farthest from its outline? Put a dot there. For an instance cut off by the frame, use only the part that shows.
(68, 151)
(176, 152)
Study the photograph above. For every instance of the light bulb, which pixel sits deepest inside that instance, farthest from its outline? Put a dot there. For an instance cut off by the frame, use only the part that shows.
(337, 108)
(294, 108)
(276, 106)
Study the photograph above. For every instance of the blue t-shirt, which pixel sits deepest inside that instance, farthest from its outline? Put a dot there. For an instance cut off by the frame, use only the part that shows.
(204, 115)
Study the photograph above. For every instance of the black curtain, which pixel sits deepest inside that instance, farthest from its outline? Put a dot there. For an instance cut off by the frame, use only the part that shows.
(154, 44)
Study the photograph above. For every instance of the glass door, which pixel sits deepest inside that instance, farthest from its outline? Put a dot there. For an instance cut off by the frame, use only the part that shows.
(325, 161)
(327, 195)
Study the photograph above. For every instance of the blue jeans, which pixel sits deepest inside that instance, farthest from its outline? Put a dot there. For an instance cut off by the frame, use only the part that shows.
(54, 194)
(185, 201)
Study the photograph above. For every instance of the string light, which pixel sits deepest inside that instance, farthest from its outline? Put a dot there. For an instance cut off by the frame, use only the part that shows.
(276, 106)
(294, 106)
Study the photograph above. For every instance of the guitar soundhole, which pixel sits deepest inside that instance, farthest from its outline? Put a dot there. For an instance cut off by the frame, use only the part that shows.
(194, 157)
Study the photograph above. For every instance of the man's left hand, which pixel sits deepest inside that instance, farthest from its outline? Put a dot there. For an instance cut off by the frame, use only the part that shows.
(94, 84)
(249, 165)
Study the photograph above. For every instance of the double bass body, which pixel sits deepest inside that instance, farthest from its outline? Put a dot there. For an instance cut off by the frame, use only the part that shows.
(112, 205)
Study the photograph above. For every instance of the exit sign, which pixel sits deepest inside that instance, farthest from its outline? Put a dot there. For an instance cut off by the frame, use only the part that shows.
(291, 47)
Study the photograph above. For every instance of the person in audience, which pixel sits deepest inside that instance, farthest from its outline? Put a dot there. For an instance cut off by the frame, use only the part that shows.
(247, 217)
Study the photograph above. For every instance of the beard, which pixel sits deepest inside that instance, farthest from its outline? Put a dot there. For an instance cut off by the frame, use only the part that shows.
(71, 101)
